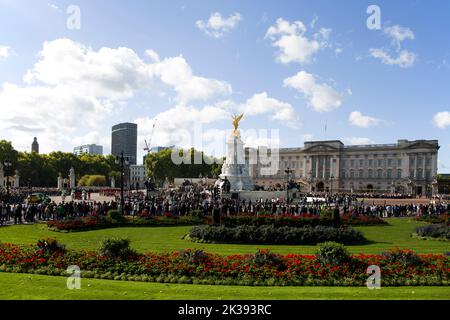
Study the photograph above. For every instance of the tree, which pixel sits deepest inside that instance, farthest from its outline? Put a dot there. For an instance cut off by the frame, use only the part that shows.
(92, 181)
(7, 152)
(161, 167)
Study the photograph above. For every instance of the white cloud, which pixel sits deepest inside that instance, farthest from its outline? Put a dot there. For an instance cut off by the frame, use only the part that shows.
(53, 6)
(153, 55)
(5, 52)
(338, 51)
(184, 125)
(177, 73)
(217, 26)
(358, 141)
(261, 103)
(405, 58)
(321, 97)
(308, 137)
(398, 34)
(72, 89)
(292, 43)
(118, 73)
(55, 114)
(442, 119)
(356, 118)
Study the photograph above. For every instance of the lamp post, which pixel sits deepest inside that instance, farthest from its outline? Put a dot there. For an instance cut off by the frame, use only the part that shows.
(7, 164)
(122, 160)
(331, 185)
(288, 180)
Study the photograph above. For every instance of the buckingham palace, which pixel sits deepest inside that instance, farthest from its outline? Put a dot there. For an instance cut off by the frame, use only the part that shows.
(407, 167)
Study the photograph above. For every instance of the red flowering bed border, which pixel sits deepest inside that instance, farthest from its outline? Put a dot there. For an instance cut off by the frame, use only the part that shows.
(205, 268)
(95, 222)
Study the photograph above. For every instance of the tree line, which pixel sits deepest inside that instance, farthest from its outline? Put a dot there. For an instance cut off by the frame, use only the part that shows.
(42, 170)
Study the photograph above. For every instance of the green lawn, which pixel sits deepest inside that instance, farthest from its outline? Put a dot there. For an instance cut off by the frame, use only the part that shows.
(146, 239)
(34, 287)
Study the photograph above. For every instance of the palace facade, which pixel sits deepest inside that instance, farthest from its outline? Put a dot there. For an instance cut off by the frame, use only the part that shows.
(408, 167)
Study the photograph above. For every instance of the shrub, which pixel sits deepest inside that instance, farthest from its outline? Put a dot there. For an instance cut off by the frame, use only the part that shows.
(332, 253)
(405, 257)
(193, 256)
(117, 248)
(265, 257)
(196, 213)
(116, 217)
(438, 231)
(50, 246)
(274, 235)
(443, 218)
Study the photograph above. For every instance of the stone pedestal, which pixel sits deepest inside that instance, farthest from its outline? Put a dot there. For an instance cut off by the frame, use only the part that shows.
(60, 182)
(72, 178)
(235, 169)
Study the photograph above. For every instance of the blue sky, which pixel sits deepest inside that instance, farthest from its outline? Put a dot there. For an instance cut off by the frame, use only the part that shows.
(318, 65)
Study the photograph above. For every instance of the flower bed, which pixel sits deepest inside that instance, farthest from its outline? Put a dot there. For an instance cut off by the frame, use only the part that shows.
(433, 232)
(300, 221)
(263, 268)
(443, 218)
(93, 223)
(269, 234)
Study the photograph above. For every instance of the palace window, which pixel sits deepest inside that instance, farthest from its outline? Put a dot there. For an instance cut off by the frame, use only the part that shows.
(361, 163)
(352, 173)
(399, 162)
(389, 174)
(379, 173)
(419, 174)
(370, 174)
(389, 162)
(370, 162)
(361, 173)
(399, 173)
(352, 163)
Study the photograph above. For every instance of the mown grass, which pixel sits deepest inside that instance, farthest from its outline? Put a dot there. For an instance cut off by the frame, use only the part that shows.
(161, 239)
(36, 287)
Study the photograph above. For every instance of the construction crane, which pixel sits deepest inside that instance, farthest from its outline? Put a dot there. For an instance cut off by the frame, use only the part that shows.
(147, 145)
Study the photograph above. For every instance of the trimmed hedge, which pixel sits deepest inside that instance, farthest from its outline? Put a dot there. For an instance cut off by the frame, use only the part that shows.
(300, 221)
(435, 231)
(269, 234)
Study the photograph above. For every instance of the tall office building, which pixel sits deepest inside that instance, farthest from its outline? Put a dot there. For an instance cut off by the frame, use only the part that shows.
(88, 149)
(124, 139)
(35, 146)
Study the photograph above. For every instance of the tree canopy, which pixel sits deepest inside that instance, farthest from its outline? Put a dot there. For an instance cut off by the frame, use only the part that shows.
(42, 170)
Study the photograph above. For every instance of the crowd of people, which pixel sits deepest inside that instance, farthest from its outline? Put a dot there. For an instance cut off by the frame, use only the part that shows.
(205, 200)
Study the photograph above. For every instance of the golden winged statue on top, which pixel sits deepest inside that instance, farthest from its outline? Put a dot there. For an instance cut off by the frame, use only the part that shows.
(236, 120)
